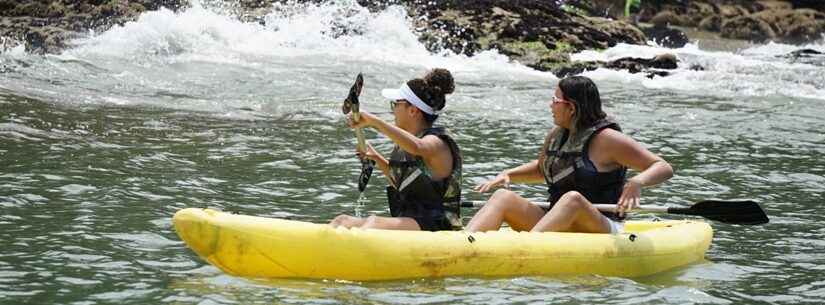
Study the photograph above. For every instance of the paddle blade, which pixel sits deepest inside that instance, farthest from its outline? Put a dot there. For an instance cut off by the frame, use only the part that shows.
(351, 102)
(743, 212)
(366, 172)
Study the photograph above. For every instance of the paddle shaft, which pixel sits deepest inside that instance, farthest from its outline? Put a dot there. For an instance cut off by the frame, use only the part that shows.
(741, 212)
(362, 144)
(600, 207)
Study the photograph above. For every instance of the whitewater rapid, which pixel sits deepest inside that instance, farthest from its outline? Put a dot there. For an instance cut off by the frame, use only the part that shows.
(301, 55)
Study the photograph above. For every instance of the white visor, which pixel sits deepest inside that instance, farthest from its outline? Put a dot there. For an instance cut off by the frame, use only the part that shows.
(405, 93)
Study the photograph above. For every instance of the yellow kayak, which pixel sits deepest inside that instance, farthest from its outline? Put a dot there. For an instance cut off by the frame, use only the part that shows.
(258, 247)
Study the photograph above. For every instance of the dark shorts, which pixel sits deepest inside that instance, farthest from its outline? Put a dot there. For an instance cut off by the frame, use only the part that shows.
(428, 223)
(428, 220)
(427, 217)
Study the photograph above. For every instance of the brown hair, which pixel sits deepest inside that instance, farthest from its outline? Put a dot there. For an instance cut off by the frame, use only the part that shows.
(433, 90)
(583, 93)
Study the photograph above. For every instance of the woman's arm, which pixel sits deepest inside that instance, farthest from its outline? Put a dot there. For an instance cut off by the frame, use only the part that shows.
(380, 161)
(525, 173)
(529, 173)
(434, 151)
(629, 153)
(424, 147)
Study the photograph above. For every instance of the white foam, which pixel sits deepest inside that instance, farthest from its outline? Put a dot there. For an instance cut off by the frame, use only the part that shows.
(202, 58)
(295, 30)
(779, 49)
(18, 50)
(205, 59)
(756, 71)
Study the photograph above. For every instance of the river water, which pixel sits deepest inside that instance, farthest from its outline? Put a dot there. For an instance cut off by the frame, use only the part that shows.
(100, 145)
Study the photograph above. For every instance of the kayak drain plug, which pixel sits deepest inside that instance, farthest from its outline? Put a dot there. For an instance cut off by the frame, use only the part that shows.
(632, 237)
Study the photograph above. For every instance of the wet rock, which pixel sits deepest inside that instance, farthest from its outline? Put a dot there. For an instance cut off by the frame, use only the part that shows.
(765, 5)
(794, 26)
(664, 61)
(606, 8)
(732, 11)
(460, 26)
(698, 11)
(666, 36)
(636, 65)
(620, 30)
(535, 33)
(656, 66)
(669, 18)
(803, 53)
(747, 28)
(696, 67)
(46, 26)
(711, 23)
(790, 21)
(818, 5)
(782, 19)
(806, 56)
(47, 40)
(538, 34)
(551, 61)
(574, 68)
(804, 31)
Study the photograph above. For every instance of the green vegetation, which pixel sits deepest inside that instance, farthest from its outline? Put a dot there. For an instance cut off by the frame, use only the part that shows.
(528, 46)
(631, 4)
(539, 48)
(564, 47)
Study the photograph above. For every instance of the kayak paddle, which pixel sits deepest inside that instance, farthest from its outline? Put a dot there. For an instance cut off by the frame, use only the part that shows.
(351, 104)
(741, 212)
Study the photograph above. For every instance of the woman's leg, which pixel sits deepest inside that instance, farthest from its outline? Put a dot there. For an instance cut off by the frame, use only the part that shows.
(347, 221)
(505, 206)
(573, 213)
(390, 223)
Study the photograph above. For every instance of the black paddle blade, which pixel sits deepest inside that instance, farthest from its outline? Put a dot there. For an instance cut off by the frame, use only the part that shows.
(742, 212)
(366, 171)
(351, 102)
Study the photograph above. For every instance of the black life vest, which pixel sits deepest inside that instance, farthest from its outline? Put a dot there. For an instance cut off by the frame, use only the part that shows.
(567, 167)
(415, 194)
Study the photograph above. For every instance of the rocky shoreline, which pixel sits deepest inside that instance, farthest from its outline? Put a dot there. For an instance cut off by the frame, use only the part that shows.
(45, 26)
(793, 21)
(538, 34)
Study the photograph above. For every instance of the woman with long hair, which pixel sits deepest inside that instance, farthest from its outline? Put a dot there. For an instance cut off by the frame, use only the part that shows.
(584, 160)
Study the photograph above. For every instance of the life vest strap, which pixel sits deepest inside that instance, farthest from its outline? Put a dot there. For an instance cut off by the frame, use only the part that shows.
(410, 178)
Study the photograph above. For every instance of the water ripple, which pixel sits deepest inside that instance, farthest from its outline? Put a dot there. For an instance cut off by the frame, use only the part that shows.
(88, 189)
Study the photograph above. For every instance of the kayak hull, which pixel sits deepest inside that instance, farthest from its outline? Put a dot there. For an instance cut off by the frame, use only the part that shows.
(258, 247)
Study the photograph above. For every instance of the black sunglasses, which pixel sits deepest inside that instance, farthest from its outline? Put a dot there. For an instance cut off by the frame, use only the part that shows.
(395, 103)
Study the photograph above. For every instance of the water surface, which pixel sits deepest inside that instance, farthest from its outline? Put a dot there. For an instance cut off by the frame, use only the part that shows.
(100, 145)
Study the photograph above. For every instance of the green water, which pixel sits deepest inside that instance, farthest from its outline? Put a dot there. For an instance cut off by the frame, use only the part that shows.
(101, 145)
(88, 193)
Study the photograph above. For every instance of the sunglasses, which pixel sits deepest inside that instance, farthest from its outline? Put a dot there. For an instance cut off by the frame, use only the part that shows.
(560, 100)
(395, 103)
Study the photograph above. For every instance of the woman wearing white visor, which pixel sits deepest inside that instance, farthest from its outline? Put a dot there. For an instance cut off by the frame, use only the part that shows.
(424, 168)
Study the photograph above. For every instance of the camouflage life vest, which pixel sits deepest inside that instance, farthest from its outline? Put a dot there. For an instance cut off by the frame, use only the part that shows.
(566, 167)
(416, 194)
